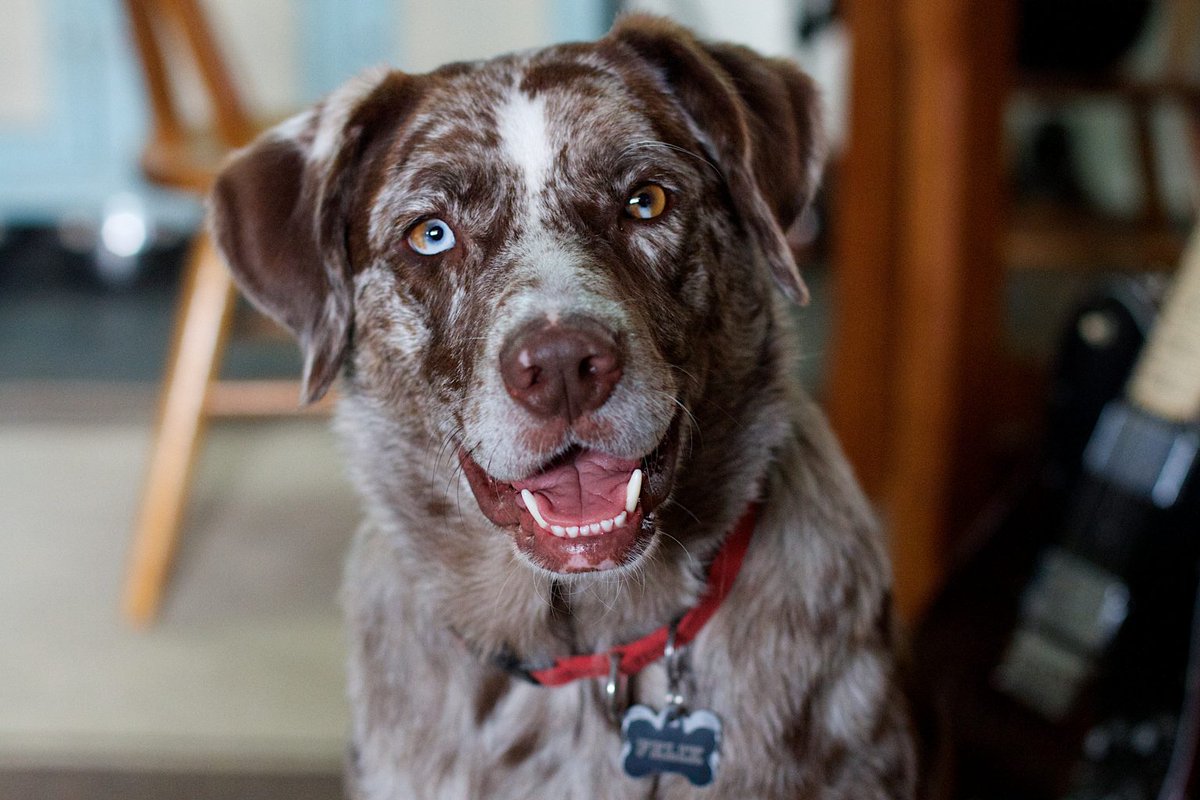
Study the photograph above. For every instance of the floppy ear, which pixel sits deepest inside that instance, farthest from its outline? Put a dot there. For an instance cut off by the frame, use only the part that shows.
(759, 119)
(279, 213)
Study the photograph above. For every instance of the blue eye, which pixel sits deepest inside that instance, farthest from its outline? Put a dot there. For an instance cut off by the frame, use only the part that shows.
(431, 237)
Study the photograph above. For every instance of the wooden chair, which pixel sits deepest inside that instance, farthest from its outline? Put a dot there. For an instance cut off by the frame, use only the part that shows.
(171, 36)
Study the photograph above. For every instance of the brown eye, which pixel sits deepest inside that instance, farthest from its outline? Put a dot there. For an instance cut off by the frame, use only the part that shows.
(646, 202)
(431, 237)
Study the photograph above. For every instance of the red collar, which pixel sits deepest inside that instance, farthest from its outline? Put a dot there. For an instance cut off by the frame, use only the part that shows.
(636, 655)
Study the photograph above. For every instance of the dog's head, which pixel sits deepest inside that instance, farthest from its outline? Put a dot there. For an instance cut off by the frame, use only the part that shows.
(541, 260)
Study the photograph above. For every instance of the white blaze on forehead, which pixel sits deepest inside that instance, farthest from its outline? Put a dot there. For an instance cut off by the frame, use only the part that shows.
(522, 122)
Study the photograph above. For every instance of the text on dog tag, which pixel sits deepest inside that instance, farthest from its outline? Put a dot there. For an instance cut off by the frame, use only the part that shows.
(671, 741)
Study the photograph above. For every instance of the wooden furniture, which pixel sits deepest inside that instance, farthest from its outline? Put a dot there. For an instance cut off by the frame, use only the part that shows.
(170, 36)
(1041, 237)
(1053, 238)
(917, 267)
(924, 233)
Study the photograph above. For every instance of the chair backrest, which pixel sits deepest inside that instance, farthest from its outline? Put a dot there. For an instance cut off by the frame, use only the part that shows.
(174, 35)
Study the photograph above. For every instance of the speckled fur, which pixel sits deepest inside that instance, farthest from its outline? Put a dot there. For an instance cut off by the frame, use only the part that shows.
(530, 158)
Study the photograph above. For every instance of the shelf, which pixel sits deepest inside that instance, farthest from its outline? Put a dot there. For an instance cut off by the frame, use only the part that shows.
(1046, 236)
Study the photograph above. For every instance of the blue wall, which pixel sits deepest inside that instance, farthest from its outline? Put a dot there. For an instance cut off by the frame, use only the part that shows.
(86, 147)
(86, 150)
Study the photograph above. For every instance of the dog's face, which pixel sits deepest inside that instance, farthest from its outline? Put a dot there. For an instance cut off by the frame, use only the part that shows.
(521, 259)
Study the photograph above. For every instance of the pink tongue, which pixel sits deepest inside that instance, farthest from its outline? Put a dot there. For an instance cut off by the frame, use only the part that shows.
(587, 487)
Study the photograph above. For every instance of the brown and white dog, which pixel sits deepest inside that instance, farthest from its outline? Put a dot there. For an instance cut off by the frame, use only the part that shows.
(546, 283)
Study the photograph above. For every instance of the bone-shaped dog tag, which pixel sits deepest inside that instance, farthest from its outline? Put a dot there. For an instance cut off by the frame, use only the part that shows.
(671, 741)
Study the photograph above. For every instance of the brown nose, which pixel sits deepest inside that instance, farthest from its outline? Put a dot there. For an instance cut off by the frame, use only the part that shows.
(561, 369)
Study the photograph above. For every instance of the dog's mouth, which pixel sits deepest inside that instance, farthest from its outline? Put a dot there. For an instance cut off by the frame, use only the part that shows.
(583, 511)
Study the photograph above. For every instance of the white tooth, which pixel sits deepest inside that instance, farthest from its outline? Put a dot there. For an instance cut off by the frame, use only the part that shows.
(572, 531)
(633, 491)
(620, 519)
(558, 530)
(594, 528)
(606, 525)
(534, 511)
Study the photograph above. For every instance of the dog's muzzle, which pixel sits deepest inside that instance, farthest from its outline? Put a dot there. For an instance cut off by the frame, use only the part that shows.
(585, 509)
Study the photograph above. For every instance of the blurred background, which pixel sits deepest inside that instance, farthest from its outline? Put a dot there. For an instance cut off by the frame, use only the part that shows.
(993, 333)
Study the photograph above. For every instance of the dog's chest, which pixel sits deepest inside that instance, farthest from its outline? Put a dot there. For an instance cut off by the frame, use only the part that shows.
(529, 741)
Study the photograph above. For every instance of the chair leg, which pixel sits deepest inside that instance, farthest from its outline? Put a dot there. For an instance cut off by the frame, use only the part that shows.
(201, 325)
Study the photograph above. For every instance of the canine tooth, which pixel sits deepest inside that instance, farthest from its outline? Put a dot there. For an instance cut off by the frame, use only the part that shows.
(606, 525)
(558, 530)
(532, 505)
(633, 490)
(594, 528)
(620, 519)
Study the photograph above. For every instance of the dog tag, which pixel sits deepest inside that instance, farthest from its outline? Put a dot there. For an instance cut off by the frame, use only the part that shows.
(671, 741)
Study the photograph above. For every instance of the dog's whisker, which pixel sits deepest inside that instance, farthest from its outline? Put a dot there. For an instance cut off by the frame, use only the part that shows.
(692, 562)
(733, 420)
(730, 417)
(511, 568)
(695, 381)
(547, 601)
(687, 511)
(444, 452)
(452, 478)
(638, 575)
(487, 468)
(458, 504)
(610, 605)
(695, 424)
(683, 407)
(651, 143)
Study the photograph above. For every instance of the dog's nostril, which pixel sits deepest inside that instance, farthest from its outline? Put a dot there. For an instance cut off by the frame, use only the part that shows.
(597, 366)
(561, 370)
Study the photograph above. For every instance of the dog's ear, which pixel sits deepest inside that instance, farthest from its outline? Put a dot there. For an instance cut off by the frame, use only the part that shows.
(759, 119)
(279, 213)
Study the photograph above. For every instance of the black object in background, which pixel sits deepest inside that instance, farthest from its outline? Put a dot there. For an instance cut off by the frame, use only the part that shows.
(1077, 36)
(1019, 721)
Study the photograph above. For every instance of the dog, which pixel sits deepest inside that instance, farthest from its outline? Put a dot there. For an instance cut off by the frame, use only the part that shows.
(599, 510)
